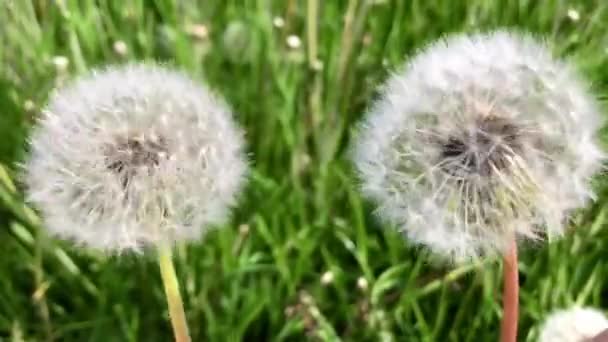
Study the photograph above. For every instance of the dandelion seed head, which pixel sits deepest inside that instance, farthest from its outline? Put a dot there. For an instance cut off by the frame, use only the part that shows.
(29, 106)
(362, 283)
(294, 41)
(573, 14)
(573, 325)
(278, 22)
(317, 65)
(61, 63)
(133, 156)
(327, 278)
(198, 31)
(480, 139)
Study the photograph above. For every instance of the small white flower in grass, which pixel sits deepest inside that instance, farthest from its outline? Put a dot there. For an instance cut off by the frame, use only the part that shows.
(198, 31)
(478, 140)
(29, 106)
(61, 63)
(573, 325)
(294, 41)
(317, 65)
(362, 283)
(120, 48)
(573, 14)
(327, 278)
(278, 22)
(134, 156)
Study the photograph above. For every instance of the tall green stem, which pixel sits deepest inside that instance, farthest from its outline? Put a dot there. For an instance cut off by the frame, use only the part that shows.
(174, 298)
(312, 17)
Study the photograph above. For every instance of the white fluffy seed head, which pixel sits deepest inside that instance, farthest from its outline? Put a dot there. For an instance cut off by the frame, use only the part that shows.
(573, 325)
(134, 156)
(478, 140)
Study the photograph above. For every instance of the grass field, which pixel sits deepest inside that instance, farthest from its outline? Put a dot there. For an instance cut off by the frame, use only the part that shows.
(304, 257)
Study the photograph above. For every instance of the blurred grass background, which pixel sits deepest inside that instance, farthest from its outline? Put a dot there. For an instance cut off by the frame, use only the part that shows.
(304, 258)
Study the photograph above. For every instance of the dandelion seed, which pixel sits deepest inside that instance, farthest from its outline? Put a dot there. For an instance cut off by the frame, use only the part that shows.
(573, 325)
(479, 140)
(134, 157)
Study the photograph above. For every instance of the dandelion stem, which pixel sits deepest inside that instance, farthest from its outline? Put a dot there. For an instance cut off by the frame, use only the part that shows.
(510, 295)
(174, 299)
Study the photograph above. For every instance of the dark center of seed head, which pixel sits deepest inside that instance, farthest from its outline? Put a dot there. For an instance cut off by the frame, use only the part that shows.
(486, 147)
(130, 155)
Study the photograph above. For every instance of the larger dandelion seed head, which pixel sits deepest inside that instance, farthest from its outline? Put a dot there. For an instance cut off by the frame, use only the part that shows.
(134, 156)
(478, 140)
(573, 325)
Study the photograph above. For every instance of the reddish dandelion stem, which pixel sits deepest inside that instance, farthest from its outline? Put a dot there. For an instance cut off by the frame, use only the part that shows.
(601, 337)
(510, 296)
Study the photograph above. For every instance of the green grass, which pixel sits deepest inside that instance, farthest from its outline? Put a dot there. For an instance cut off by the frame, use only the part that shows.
(302, 208)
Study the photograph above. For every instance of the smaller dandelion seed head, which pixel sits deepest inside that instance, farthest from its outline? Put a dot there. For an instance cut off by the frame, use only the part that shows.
(133, 156)
(327, 278)
(237, 42)
(573, 325)
(368, 38)
(278, 22)
(120, 48)
(294, 41)
(317, 65)
(573, 14)
(198, 31)
(478, 140)
(61, 63)
(362, 284)
(29, 106)
(244, 229)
